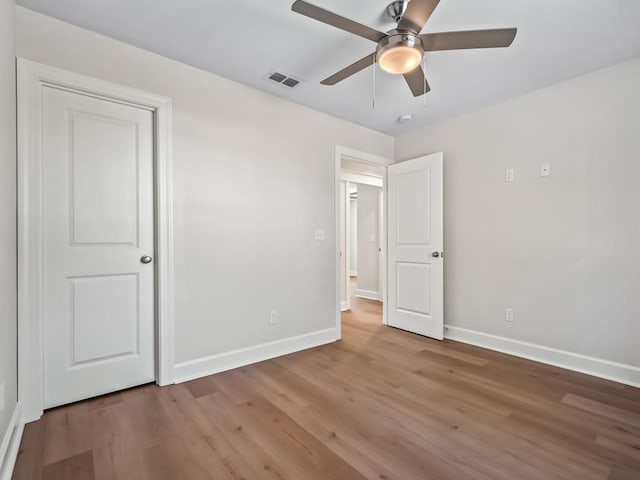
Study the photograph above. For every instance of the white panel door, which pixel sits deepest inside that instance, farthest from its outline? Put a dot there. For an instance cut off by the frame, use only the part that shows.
(415, 243)
(98, 223)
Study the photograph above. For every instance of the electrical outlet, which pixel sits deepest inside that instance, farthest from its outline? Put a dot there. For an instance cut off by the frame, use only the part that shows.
(319, 234)
(545, 169)
(508, 315)
(273, 316)
(2, 397)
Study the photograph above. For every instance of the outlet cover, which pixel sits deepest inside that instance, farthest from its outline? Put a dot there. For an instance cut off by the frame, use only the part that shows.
(545, 169)
(273, 316)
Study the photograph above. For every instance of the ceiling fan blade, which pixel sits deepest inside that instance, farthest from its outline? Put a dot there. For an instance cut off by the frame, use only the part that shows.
(417, 81)
(330, 18)
(501, 37)
(350, 70)
(417, 14)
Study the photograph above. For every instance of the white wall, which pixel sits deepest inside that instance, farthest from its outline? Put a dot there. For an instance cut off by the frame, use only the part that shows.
(8, 287)
(353, 236)
(254, 176)
(368, 255)
(561, 250)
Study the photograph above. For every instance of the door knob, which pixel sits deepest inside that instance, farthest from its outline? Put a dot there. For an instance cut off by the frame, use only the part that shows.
(146, 259)
(435, 254)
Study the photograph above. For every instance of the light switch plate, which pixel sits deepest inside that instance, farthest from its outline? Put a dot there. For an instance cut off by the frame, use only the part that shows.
(545, 169)
(508, 315)
(509, 175)
(319, 234)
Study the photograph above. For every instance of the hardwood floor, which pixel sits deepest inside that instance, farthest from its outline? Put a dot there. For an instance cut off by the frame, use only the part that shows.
(380, 404)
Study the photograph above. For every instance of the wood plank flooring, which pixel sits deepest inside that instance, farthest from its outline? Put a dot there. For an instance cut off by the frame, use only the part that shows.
(380, 404)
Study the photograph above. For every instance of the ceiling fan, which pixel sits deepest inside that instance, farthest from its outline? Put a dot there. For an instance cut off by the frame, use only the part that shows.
(401, 49)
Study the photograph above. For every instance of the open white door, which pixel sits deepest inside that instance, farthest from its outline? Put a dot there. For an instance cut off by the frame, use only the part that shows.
(415, 244)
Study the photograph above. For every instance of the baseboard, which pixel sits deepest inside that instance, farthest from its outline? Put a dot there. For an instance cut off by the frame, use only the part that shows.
(368, 294)
(344, 306)
(618, 372)
(11, 444)
(238, 358)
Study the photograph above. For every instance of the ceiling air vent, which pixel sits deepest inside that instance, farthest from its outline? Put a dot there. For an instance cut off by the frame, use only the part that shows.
(282, 79)
(277, 77)
(290, 82)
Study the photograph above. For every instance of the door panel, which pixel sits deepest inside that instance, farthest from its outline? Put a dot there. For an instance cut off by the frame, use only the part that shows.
(104, 316)
(413, 208)
(414, 287)
(99, 329)
(415, 276)
(104, 187)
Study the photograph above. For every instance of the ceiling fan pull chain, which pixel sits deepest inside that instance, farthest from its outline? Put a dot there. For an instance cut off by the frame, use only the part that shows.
(373, 103)
(424, 83)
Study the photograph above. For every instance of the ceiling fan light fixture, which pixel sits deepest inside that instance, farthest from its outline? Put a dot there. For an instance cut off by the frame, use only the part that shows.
(400, 59)
(400, 53)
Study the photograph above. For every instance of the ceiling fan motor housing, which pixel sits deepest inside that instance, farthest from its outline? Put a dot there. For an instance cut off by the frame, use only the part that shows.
(396, 9)
(400, 52)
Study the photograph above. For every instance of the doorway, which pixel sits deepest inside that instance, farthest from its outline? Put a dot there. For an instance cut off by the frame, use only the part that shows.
(364, 230)
(411, 240)
(94, 224)
(361, 247)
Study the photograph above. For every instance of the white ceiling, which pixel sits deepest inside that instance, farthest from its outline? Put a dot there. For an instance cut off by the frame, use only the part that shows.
(244, 39)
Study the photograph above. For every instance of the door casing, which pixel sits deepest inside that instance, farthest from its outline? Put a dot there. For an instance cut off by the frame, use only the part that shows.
(31, 79)
(345, 244)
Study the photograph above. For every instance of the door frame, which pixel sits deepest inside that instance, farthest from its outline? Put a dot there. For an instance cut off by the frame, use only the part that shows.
(32, 77)
(345, 235)
(340, 153)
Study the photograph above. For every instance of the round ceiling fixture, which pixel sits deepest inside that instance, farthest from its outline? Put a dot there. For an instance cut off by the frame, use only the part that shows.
(407, 117)
(400, 52)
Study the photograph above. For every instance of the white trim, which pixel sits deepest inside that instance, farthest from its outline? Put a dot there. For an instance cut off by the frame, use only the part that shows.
(11, 444)
(357, 155)
(361, 178)
(32, 77)
(340, 153)
(618, 372)
(382, 258)
(201, 367)
(368, 294)
(345, 234)
(385, 243)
